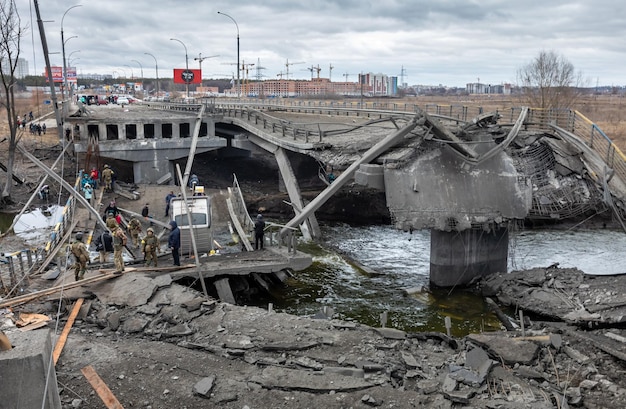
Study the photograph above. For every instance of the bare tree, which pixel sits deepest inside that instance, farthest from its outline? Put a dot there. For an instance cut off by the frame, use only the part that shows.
(550, 81)
(10, 35)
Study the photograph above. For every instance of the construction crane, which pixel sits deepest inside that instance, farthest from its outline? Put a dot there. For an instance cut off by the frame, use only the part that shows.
(314, 68)
(280, 75)
(200, 58)
(244, 69)
(330, 72)
(287, 64)
(346, 76)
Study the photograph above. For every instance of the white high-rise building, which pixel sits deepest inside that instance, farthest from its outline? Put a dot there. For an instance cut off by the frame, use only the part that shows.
(21, 70)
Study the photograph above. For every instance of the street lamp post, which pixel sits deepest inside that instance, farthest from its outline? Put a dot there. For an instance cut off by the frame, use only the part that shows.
(156, 67)
(63, 49)
(140, 66)
(238, 67)
(132, 74)
(186, 63)
(69, 58)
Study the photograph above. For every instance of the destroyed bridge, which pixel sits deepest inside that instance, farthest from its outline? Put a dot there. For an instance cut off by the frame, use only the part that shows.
(466, 175)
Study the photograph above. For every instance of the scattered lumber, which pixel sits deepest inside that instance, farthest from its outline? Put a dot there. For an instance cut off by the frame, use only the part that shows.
(101, 388)
(66, 330)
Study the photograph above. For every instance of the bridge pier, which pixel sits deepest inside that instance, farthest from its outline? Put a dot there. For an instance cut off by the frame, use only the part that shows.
(456, 258)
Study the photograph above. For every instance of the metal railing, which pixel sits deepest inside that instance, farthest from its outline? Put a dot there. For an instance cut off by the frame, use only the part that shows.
(258, 112)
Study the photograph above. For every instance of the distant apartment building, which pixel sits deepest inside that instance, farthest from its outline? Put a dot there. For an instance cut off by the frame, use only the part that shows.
(367, 84)
(21, 68)
(479, 88)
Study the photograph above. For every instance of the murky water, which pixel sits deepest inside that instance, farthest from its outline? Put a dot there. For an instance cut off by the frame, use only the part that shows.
(397, 261)
(401, 261)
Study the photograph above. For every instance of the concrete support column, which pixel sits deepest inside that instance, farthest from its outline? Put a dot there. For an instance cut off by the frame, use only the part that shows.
(102, 131)
(27, 372)
(158, 130)
(121, 132)
(456, 258)
(176, 130)
(140, 130)
(82, 130)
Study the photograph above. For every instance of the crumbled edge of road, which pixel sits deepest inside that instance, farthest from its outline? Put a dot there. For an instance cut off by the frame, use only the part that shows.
(245, 355)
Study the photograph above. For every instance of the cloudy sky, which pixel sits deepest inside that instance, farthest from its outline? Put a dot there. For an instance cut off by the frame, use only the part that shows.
(432, 42)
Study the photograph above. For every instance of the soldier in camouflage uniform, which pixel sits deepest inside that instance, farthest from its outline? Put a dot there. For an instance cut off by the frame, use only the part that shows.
(134, 228)
(81, 257)
(119, 241)
(150, 247)
(111, 222)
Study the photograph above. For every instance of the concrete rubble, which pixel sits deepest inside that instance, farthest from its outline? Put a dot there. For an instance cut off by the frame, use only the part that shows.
(159, 344)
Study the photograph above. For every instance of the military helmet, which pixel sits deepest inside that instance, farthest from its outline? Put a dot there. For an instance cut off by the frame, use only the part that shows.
(79, 236)
(150, 230)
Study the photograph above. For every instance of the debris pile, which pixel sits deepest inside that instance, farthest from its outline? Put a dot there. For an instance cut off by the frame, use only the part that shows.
(159, 344)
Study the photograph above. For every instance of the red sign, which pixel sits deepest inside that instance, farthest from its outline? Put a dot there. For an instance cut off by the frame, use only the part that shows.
(57, 74)
(183, 76)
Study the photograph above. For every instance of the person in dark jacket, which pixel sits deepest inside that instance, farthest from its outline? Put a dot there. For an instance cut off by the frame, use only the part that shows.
(104, 245)
(173, 242)
(259, 231)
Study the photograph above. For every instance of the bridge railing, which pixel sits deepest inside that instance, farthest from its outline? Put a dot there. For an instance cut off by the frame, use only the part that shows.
(571, 120)
(579, 125)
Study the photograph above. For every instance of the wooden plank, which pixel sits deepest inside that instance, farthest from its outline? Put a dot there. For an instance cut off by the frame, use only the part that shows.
(66, 330)
(11, 302)
(101, 388)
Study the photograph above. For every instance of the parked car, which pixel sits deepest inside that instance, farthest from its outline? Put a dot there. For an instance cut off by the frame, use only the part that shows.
(102, 101)
(122, 101)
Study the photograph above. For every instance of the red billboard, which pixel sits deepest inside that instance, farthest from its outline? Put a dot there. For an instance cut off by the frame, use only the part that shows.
(57, 74)
(183, 76)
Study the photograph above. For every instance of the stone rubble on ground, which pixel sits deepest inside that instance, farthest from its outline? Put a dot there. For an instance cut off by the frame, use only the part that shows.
(328, 357)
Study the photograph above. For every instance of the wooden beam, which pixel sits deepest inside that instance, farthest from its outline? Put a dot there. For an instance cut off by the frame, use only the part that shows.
(66, 330)
(11, 302)
(101, 388)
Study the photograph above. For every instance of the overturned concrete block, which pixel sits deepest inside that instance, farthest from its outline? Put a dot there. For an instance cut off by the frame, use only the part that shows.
(204, 386)
(29, 359)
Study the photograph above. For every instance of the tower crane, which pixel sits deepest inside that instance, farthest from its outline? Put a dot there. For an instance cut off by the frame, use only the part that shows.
(200, 58)
(330, 72)
(346, 76)
(314, 68)
(287, 64)
(244, 69)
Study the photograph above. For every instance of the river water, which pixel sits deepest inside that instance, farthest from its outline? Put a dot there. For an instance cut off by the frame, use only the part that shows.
(397, 261)
(401, 261)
